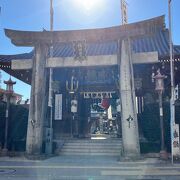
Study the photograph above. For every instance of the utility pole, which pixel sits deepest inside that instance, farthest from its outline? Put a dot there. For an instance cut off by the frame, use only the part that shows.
(49, 149)
(51, 15)
(172, 101)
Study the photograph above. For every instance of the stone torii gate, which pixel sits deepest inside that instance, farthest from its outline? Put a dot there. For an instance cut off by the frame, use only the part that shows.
(41, 62)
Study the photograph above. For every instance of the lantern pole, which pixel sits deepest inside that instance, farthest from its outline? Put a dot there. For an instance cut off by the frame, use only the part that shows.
(159, 87)
(72, 88)
(9, 91)
(161, 121)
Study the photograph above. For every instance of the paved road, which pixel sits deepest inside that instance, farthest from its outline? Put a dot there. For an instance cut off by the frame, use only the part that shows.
(87, 168)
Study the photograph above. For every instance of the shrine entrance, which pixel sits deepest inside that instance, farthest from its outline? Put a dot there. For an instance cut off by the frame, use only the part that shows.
(99, 115)
(90, 103)
(84, 62)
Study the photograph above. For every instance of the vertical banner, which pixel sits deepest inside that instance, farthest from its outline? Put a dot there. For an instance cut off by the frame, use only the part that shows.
(124, 12)
(109, 111)
(58, 107)
(176, 150)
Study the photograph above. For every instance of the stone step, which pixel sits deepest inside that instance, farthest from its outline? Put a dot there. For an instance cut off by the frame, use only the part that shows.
(107, 147)
(90, 147)
(105, 144)
(93, 144)
(94, 140)
(90, 153)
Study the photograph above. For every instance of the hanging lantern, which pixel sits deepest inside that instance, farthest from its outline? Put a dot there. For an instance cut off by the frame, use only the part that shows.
(105, 103)
(74, 104)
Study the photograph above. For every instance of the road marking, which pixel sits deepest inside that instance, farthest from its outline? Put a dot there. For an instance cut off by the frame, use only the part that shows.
(141, 173)
(7, 171)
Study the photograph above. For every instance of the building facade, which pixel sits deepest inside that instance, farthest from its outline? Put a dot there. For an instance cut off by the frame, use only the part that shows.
(15, 99)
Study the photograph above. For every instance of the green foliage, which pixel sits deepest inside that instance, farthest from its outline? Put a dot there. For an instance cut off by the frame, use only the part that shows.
(18, 122)
(177, 114)
(2, 121)
(167, 132)
(147, 147)
(17, 128)
(150, 123)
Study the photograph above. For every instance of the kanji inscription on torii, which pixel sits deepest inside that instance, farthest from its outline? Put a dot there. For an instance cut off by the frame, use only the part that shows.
(79, 50)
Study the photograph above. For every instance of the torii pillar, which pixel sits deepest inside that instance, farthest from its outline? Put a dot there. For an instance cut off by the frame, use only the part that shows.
(39, 94)
(38, 101)
(130, 135)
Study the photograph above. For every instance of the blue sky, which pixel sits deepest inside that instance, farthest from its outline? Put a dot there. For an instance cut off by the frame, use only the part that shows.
(75, 14)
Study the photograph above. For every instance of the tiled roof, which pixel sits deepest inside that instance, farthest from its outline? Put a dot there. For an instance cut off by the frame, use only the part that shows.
(92, 49)
(157, 42)
(7, 58)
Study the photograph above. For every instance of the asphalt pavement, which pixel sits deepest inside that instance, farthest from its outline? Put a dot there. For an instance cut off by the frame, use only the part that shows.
(87, 168)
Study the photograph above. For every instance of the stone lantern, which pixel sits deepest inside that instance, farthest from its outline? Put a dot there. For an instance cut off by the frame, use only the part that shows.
(9, 92)
(159, 87)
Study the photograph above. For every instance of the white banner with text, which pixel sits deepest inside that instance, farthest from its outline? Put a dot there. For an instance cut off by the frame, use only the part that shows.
(58, 107)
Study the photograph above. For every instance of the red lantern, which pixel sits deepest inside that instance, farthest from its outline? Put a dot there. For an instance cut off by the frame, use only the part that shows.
(105, 103)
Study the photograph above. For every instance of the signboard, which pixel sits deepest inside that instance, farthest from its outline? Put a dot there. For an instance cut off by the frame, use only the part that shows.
(176, 146)
(58, 107)
(79, 50)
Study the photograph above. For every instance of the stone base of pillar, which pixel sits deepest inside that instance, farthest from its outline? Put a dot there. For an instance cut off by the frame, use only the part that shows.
(130, 158)
(38, 156)
(4, 152)
(163, 155)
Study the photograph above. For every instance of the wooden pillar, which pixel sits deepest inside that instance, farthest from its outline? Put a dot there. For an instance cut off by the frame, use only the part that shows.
(130, 133)
(38, 101)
